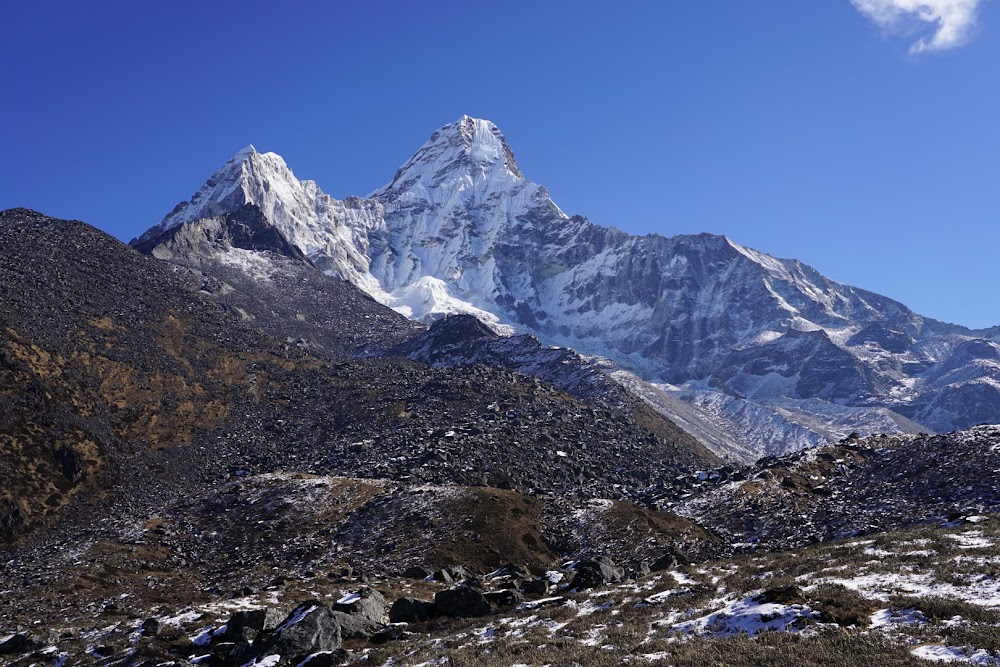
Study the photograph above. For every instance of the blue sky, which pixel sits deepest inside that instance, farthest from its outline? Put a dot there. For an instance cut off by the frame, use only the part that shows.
(855, 135)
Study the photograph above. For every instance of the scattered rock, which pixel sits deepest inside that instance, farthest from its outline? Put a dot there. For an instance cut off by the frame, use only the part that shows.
(462, 602)
(366, 603)
(411, 610)
(19, 643)
(452, 574)
(596, 572)
(309, 628)
(246, 625)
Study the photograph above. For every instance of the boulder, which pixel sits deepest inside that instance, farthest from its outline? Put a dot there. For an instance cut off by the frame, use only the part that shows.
(367, 603)
(150, 627)
(311, 627)
(20, 643)
(462, 602)
(670, 559)
(453, 573)
(596, 572)
(539, 586)
(417, 572)
(505, 598)
(353, 626)
(410, 610)
(246, 625)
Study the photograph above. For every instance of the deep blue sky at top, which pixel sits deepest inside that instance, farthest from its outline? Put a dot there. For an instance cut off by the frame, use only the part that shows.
(794, 127)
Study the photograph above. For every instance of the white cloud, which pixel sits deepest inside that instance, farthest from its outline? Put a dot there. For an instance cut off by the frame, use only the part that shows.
(953, 19)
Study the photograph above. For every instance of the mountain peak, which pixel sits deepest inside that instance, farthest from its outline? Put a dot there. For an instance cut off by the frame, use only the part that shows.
(471, 147)
(246, 178)
(244, 153)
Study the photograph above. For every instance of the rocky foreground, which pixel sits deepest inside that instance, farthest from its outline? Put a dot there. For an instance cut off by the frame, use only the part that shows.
(280, 568)
(899, 598)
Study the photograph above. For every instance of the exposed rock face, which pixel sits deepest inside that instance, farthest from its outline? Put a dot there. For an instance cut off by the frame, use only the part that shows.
(459, 229)
(463, 339)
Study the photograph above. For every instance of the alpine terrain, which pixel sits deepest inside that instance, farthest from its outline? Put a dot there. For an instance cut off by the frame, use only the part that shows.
(752, 354)
(448, 424)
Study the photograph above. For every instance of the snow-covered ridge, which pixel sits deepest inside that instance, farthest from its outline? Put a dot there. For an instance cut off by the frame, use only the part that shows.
(460, 229)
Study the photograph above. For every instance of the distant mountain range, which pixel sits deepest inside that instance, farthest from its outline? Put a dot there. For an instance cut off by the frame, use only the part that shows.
(752, 354)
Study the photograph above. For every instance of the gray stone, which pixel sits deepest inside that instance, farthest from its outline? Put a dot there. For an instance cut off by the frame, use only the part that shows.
(311, 627)
(596, 572)
(462, 602)
(410, 610)
(246, 625)
(370, 605)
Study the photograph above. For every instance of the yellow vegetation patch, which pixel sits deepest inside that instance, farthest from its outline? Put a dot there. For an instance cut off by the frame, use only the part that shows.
(104, 323)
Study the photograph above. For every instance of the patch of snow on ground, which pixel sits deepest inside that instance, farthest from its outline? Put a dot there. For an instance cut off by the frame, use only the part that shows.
(750, 616)
(972, 539)
(659, 656)
(253, 263)
(182, 618)
(657, 598)
(588, 608)
(682, 578)
(314, 655)
(875, 551)
(435, 661)
(941, 653)
(983, 591)
(888, 617)
(534, 604)
(266, 661)
(204, 637)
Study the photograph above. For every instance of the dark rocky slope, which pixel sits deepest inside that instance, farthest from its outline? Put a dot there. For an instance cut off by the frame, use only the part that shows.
(121, 381)
(858, 487)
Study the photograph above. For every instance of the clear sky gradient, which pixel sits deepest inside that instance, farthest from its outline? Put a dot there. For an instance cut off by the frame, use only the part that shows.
(802, 129)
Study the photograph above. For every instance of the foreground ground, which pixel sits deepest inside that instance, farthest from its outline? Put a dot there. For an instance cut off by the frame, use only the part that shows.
(901, 598)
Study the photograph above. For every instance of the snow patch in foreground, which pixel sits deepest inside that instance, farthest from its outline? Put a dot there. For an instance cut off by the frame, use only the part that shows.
(941, 653)
(751, 616)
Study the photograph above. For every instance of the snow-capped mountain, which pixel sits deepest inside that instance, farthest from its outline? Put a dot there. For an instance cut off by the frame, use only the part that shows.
(742, 336)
